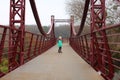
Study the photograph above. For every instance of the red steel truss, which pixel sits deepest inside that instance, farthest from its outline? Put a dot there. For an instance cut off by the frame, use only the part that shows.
(17, 32)
(98, 18)
(93, 47)
(16, 38)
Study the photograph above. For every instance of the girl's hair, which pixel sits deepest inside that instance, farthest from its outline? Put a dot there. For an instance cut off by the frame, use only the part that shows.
(60, 37)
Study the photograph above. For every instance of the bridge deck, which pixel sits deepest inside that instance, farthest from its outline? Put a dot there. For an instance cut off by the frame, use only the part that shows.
(54, 66)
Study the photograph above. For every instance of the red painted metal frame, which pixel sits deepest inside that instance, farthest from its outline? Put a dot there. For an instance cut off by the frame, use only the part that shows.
(92, 47)
(16, 38)
(36, 16)
(23, 46)
(98, 22)
(100, 59)
(16, 43)
(62, 20)
(34, 45)
(72, 30)
(3, 34)
(84, 17)
(82, 46)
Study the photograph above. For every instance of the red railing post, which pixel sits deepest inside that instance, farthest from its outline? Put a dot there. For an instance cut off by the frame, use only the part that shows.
(39, 47)
(83, 47)
(87, 48)
(35, 49)
(2, 43)
(43, 45)
(80, 45)
(30, 45)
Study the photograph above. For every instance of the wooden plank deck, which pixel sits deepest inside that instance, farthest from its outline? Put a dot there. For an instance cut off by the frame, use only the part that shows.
(55, 66)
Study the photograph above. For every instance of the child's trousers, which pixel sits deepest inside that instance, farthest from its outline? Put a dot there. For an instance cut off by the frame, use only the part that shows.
(60, 50)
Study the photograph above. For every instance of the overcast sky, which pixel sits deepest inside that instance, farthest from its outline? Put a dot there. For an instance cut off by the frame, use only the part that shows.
(46, 8)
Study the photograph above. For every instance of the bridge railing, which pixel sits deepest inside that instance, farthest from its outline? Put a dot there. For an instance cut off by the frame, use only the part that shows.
(4, 50)
(82, 45)
(34, 45)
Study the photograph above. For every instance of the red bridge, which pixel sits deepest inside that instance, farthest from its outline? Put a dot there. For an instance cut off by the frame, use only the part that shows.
(97, 48)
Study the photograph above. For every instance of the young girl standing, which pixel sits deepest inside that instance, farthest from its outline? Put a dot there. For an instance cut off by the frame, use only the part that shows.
(59, 43)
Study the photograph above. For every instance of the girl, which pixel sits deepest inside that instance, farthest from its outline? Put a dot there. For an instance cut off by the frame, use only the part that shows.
(59, 43)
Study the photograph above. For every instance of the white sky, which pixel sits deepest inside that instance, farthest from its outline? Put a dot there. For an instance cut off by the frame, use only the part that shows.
(45, 8)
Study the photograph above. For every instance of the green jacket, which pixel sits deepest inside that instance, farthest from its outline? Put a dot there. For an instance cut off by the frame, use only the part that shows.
(59, 43)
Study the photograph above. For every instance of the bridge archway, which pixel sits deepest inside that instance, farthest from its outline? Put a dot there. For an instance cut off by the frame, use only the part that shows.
(66, 24)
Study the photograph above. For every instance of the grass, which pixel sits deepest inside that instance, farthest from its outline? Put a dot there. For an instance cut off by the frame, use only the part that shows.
(4, 65)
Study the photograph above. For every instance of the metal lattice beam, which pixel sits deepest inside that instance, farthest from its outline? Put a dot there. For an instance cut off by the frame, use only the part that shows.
(98, 22)
(16, 37)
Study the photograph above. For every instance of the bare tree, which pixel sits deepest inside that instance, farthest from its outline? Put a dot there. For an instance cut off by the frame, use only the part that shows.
(76, 7)
(113, 12)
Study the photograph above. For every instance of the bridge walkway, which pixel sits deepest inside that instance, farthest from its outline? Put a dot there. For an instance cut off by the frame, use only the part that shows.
(54, 66)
